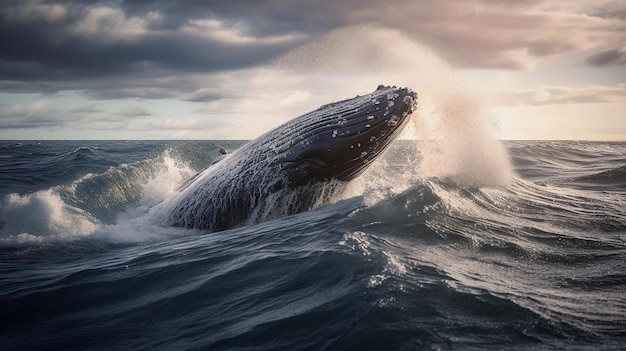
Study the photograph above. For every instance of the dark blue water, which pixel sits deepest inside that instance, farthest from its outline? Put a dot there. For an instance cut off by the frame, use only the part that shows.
(402, 261)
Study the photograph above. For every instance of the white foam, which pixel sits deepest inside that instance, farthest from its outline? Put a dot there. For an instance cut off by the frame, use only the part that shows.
(41, 215)
(46, 216)
(137, 223)
(171, 174)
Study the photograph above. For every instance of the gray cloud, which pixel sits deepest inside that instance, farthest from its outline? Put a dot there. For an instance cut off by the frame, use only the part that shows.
(179, 49)
(560, 95)
(506, 35)
(43, 113)
(187, 124)
(610, 57)
(256, 17)
(133, 111)
(83, 41)
(87, 109)
(49, 113)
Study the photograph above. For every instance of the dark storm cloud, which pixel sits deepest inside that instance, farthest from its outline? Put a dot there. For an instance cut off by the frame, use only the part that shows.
(155, 48)
(137, 50)
(82, 41)
(261, 17)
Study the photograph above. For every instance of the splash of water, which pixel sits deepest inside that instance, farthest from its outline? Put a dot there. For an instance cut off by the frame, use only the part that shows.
(32, 218)
(84, 208)
(451, 116)
(461, 139)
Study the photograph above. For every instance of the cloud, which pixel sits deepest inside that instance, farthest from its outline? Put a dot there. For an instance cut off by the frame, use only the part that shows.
(53, 112)
(506, 35)
(133, 111)
(34, 13)
(87, 109)
(220, 31)
(190, 124)
(95, 41)
(608, 57)
(258, 18)
(554, 95)
(187, 50)
(110, 25)
(42, 113)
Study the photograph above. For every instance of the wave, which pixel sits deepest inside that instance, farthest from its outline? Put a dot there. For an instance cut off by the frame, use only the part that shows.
(129, 191)
(37, 166)
(614, 177)
(92, 202)
(563, 161)
(477, 238)
(399, 259)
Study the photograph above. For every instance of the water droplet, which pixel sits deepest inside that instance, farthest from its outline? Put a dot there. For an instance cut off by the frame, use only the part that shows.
(393, 121)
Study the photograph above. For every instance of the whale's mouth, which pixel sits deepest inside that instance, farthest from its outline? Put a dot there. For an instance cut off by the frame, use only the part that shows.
(348, 135)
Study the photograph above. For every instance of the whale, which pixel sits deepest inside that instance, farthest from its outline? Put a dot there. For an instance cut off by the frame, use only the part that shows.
(292, 168)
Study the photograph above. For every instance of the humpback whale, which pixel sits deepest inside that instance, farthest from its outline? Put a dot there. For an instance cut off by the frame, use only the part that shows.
(293, 167)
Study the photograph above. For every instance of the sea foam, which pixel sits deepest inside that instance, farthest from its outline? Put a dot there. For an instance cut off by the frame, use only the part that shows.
(112, 205)
(43, 214)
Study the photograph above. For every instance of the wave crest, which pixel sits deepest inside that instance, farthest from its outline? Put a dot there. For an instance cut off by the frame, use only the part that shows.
(90, 203)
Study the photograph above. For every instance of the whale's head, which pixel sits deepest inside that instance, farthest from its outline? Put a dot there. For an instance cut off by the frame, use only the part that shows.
(339, 140)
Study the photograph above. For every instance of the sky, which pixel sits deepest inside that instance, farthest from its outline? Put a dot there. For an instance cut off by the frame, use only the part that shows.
(214, 69)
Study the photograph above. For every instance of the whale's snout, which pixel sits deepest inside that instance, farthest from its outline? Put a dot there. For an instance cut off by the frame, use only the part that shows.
(348, 135)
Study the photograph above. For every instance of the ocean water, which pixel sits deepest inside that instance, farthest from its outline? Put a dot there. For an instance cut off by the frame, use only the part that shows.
(405, 259)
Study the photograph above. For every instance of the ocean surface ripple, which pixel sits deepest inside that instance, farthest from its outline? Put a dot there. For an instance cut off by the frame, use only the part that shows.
(403, 261)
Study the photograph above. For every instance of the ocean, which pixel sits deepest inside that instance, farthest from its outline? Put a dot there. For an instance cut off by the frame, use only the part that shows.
(404, 259)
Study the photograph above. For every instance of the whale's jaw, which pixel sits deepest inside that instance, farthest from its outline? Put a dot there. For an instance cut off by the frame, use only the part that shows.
(349, 135)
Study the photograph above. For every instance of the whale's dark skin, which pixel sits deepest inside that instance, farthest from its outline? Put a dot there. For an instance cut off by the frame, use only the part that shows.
(291, 168)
